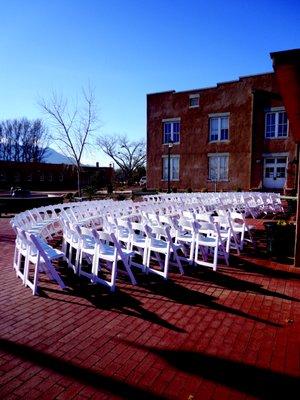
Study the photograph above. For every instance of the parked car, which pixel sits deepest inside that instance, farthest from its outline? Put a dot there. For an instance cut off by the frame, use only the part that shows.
(143, 181)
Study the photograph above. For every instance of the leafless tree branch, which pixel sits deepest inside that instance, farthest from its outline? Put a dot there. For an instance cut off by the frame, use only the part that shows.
(72, 126)
(128, 156)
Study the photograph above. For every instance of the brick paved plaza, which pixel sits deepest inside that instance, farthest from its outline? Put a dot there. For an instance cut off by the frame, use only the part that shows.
(233, 334)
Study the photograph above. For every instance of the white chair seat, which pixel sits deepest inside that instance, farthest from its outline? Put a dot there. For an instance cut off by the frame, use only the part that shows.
(207, 241)
(158, 244)
(185, 236)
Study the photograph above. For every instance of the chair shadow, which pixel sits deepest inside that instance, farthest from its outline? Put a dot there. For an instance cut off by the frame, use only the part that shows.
(254, 266)
(249, 379)
(232, 283)
(75, 372)
(7, 238)
(99, 297)
(181, 294)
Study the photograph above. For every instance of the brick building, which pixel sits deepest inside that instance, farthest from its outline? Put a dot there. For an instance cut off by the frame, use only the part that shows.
(43, 176)
(232, 136)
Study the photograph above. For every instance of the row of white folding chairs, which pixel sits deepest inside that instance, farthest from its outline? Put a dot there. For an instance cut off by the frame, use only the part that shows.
(162, 242)
(198, 231)
(230, 229)
(45, 220)
(251, 203)
(32, 256)
(122, 242)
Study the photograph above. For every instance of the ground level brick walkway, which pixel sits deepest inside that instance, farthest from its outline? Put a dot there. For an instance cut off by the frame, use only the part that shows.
(234, 334)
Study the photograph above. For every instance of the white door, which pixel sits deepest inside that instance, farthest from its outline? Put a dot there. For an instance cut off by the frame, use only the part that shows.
(274, 172)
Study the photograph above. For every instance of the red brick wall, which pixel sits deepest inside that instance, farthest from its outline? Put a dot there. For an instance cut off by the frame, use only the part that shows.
(246, 121)
(56, 176)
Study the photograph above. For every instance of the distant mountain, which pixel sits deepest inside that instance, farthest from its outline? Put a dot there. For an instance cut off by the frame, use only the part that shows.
(54, 157)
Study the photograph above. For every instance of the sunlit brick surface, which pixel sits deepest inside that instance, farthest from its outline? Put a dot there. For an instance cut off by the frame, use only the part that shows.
(233, 334)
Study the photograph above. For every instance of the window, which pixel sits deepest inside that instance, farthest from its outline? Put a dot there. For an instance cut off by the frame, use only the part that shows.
(171, 131)
(61, 177)
(174, 168)
(218, 128)
(42, 177)
(276, 124)
(218, 167)
(194, 100)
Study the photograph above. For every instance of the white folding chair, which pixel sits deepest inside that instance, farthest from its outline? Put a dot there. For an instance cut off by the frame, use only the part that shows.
(20, 253)
(109, 251)
(241, 228)
(185, 235)
(138, 242)
(209, 244)
(160, 242)
(71, 244)
(122, 232)
(227, 232)
(40, 255)
(87, 251)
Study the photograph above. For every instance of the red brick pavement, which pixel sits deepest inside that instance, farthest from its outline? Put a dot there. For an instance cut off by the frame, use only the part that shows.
(233, 334)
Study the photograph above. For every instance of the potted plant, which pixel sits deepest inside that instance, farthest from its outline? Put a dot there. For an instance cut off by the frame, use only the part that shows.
(280, 238)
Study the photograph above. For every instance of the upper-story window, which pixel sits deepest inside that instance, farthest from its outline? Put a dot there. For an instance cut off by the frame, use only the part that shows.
(194, 100)
(171, 130)
(218, 127)
(276, 124)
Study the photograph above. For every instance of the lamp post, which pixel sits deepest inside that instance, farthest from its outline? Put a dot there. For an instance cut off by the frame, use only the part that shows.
(170, 145)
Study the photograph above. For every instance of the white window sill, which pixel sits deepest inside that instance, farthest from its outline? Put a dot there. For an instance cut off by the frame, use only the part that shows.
(219, 141)
(166, 144)
(217, 181)
(171, 180)
(276, 138)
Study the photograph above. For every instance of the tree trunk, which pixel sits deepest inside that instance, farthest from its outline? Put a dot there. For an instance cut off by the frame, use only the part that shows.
(79, 180)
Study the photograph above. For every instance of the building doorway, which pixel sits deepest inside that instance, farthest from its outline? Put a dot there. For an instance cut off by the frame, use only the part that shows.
(274, 171)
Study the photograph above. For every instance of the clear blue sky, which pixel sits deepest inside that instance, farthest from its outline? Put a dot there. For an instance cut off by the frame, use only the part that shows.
(127, 49)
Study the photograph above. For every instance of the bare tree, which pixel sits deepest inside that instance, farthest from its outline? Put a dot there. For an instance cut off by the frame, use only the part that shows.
(129, 156)
(22, 140)
(73, 125)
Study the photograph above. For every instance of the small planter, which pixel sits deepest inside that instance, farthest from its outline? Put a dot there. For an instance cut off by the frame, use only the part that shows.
(280, 239)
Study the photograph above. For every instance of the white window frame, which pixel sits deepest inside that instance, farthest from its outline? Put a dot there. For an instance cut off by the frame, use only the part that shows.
(171, 121)
(219, 117)
(194, 96)
(218, 156)
(165, 160)
(276, 111)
